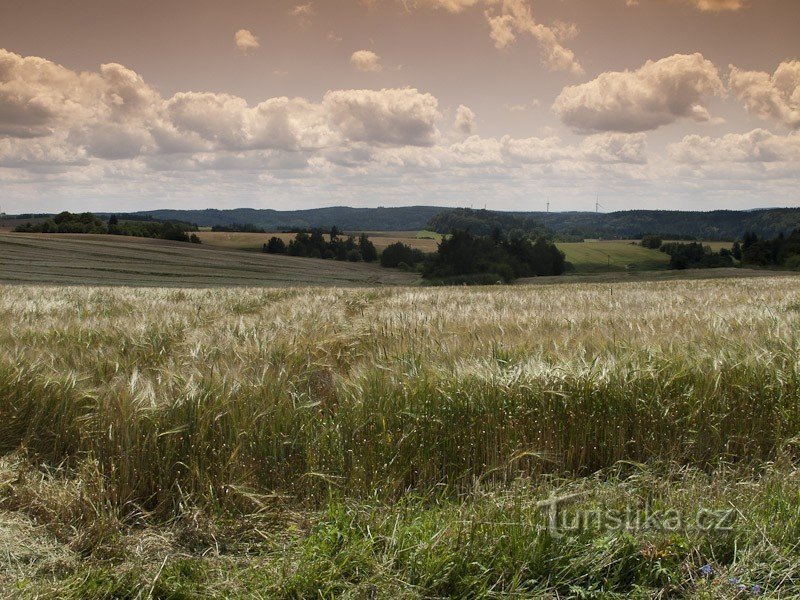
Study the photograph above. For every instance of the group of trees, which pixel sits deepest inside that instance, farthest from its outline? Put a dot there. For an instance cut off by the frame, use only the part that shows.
(238, 228)
(67, 222)
(695, 255)
(314, 244)
(485, 222)
(466, 258)
(460, 258)
(781, 251)
(401, 256)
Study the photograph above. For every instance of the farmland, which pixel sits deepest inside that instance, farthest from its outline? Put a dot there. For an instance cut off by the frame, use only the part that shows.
(372, 443)
(252, 242)
(73, 259)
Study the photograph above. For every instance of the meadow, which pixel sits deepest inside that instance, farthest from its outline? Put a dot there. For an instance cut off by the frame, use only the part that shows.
(400, 442)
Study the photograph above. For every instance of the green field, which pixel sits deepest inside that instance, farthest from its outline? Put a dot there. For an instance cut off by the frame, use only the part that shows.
(400, 442)
(73, 259)
(601, 256)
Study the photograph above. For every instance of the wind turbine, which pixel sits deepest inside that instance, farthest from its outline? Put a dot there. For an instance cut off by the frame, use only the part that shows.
(548, 204)
(597, 205)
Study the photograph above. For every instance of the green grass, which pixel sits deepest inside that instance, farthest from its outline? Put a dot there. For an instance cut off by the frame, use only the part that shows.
(601, 256)
(429, 235)
(398, 442)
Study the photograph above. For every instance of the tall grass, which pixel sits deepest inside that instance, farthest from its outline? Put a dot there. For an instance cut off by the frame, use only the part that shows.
(219, 398)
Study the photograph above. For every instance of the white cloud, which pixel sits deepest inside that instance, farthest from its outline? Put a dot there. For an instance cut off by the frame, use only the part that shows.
(107, 136)
(757, 146)
(388, 116)
(465, 122)
(706, 5)
(366, 60)
(775, 97)
(656, 94)
(509, 19)
(245, 41)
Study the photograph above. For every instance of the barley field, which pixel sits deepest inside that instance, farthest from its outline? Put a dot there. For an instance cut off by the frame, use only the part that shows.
(399, 442)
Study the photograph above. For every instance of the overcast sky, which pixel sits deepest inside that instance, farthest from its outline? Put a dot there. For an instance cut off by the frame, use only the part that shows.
(123, 105)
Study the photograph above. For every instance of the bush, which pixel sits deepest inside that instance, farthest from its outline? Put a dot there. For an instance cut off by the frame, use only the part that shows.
(399, 253)
(354, 255)
(275, 245)
(651, 241)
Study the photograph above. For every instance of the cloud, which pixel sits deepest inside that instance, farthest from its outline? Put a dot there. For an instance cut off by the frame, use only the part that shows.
(245, 41)
(775, 97)
(91, 138)
(303, 12)
(465, 120)
(366, 60)
(608, 148)
(757, 146)
(386, 117)
(36, 95)
(115, 115)
(716, 5)
(706, 5)
(657, 94)
(509, 19)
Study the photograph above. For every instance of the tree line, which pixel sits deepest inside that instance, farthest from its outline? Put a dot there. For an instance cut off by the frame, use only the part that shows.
(314, 244)
(461, 258)
(781, 251)
(67, 222)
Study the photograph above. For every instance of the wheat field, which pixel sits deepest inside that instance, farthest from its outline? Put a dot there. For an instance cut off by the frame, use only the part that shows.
(323, 442)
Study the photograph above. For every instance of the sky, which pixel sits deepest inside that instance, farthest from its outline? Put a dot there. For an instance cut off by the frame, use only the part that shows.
(505, 104)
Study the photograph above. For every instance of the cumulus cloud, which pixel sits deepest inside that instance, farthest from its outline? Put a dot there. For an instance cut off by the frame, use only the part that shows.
(509, 19)
(366, 60)
(114, 115)
(757, 146)
(36, 95)
(465, 120)
(388, 116)
(775, 97)
(245, 41)
(657, 94)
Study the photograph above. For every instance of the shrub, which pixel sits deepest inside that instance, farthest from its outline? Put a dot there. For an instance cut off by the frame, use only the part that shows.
(275, 245)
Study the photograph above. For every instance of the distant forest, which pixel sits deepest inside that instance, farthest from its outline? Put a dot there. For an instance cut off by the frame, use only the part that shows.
(721, 225)
(725, 225)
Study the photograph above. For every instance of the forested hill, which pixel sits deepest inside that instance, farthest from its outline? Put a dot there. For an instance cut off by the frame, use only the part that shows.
(405, 218)
(715, 225)
(721, 224)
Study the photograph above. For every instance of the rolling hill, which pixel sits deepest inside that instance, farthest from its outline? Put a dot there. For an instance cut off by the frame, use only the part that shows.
(714, 225)
(76, 259)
